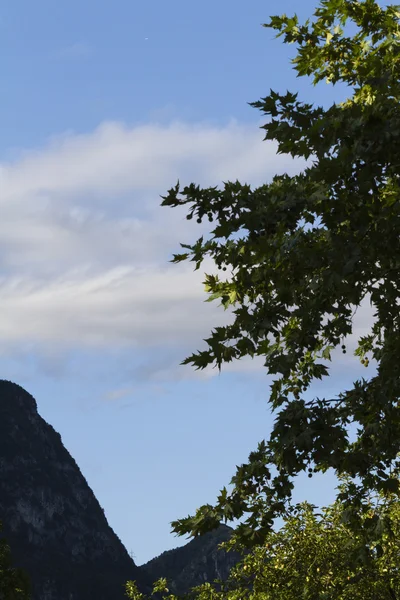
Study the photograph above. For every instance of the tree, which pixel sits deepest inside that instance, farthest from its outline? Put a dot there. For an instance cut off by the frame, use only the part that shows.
(313, 556)
(14, 584)
(298, 256)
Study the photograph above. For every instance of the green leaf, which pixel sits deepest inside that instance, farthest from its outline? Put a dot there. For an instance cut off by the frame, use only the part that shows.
(302, 254)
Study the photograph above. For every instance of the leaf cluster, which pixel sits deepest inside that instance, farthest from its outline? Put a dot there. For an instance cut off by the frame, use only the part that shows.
(302, 254)
(14, 583)
(315, 555)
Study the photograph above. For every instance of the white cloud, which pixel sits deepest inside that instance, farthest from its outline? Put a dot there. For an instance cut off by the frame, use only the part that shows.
(94, 199)
(115, 158)
(84, 243)
(143, 307)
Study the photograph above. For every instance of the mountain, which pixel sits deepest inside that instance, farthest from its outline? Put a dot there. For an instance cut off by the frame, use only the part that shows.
(195, 563)
(56, 528)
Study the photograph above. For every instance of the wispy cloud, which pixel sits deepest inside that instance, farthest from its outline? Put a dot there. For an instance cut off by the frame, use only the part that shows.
(84, 243)
(118, 393)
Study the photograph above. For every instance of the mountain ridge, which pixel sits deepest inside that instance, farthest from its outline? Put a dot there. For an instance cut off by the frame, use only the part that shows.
(56, 528)
(58, 532)
(199, 561)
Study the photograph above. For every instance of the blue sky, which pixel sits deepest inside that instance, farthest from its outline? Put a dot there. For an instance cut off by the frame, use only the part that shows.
(104, 105)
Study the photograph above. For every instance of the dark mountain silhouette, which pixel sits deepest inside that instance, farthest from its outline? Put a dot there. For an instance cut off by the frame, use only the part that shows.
(197, 562)
(56, 528)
